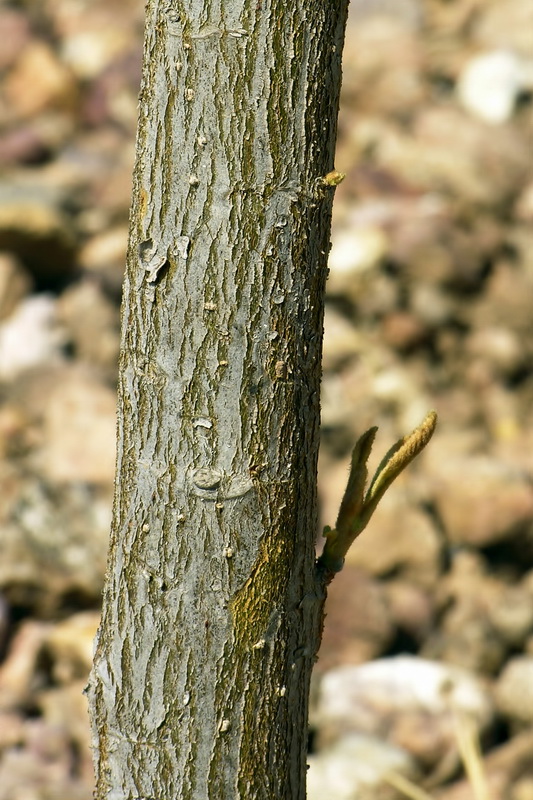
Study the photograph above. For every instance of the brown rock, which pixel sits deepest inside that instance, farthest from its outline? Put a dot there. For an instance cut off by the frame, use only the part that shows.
(69, 646)
(104, 255)
(505, 301)
(400, 539)
(15, 284)
(34, 227)
(523, 789)
(91, 324)
(84, 450)
(480, 500)
(357, 767)
(483, 616)
(43, 767)
(524, 204)
(410, 607)
(383, 62)
(358, 625)
(35, 140)
(11, 730)
(54, 541)
(341, 339)
(512, 615)
(467, 639)
(355, 256)
(452, 151)
(14, 35)
(19, 668)
(514, 690)
(499, 348)
(38, 81)
(506, 24)
(403, 330)
(65, 709)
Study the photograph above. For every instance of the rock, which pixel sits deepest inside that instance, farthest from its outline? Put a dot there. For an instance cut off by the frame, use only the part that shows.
(524, 204)
(15, 284)
(42, 767)
(410, 701)
(38, 81)
(69, 646)
(89, 52)
(523, 789)
(383, 66)
(433, 249)
(354, 387)
(506, 24)
(113, 94)
(19, 668)
(65, 710)
(467, 635)
(504, 303)
(91, 326)
(512, 616)
(448, 150)
(104, 255)
(68, 454)
(341, 339)
(466, 639)
(406, 13)
(490, 84)
(35, 140)
(411, 608)
(400, 539)
(34, 227)
(354, 254)
(11, 730)
(356, 768)
(479, 499)
(434, 307)
(506, 768)
(514, 691)
(404, 331)
(499, 348)
(54, 541)
(101, 161)
(14, 34)
(30, 337)
(358, 625)
(394, 385)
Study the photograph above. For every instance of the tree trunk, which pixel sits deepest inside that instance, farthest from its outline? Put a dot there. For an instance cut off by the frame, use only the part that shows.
(212, 607)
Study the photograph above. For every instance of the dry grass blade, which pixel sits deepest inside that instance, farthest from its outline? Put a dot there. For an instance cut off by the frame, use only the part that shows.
(406, 787)
(470, 752)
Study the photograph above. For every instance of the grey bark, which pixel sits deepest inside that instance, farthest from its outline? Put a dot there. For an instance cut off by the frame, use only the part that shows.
(213, 606)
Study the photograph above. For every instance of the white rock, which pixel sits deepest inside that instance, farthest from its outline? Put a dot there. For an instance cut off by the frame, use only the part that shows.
(354, 768)
(362, 697)
(489, 85)
(30, 336)
(353, 253)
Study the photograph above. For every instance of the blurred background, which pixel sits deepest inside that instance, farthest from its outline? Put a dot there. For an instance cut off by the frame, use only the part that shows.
(425, 677)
